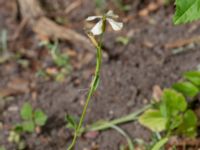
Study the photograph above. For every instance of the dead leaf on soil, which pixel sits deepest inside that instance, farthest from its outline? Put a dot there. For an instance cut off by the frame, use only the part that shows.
(87, 58)
(19, 84)
(184, 142)
(4, 92)
(91, 134)
(182, 42)
(71, 52)
(52, 71)
(148, 44)
(153, 6)
(15, 86)
(157, 93)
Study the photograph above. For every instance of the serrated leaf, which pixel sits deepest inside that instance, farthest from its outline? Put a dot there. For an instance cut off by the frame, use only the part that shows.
(26, 111)
(28, 126)
(186, 11)
(193, 76)
(40, 117)
(173, 102)
(153, 120)
(186, 88)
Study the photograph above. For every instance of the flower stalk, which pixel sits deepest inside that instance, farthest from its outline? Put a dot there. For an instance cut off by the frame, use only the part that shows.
(93, 86)
(98, 29)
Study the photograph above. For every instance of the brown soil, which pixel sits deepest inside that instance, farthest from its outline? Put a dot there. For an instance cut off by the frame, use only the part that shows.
(128, 75)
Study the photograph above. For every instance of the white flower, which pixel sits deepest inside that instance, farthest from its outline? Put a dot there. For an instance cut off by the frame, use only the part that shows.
(109, 16)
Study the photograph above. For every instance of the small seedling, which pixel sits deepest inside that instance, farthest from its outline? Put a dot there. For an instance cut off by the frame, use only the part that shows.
(123, 40)
(60, 60)
(172, 115)
(30, 119)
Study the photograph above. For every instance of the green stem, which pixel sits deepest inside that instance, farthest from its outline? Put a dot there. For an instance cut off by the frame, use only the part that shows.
(131, 117)
(129, 141)
(90, 93)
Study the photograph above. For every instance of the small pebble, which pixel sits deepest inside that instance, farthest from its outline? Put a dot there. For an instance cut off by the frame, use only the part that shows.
(13, 108)
(111, 112)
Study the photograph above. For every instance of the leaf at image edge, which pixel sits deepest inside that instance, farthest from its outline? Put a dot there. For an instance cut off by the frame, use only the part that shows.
(193, 76)
(186, 88)
(186, 11)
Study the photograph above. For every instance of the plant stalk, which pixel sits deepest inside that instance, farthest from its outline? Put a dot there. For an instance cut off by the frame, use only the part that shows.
(107, 124)
(92, 89)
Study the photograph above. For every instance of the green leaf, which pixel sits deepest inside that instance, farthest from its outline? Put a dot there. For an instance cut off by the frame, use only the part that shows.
(72, 121)
(153, 120)
(18, 128)
(186, 88)
(28, 126)
(26, 111)
(189, 124)
(40, 117)
(176, 121)
(160, 144)
(95, 83)
(123, 40)
(193, 76)
(173, 103)
(186, 11)
(61, 60)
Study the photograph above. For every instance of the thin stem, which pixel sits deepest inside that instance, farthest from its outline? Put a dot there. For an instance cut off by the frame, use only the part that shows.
(122, 132)
(131, 117)
(90, 92)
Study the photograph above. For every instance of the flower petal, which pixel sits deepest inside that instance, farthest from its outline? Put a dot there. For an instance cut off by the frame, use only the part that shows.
(111, 14)
(90, 18)
(115, 25)
(97, 29)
